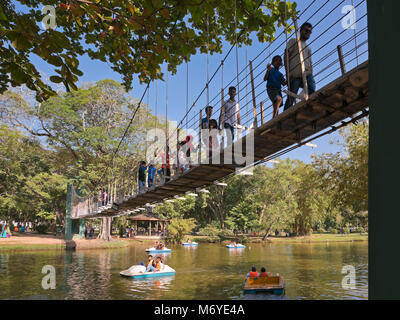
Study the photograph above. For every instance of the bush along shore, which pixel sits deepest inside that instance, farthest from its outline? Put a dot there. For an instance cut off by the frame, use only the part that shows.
(314, 238)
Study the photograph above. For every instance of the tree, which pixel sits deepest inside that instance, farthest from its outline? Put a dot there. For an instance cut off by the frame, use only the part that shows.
(84, 128)
(312, 202)
(80, 131)
(105, 229)
(178, 228)
(30, 188)
(216, 203)
(134, 37)
(344, 175)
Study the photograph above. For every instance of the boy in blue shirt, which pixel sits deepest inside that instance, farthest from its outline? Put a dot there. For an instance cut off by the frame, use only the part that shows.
(275, 80)
(151, 173)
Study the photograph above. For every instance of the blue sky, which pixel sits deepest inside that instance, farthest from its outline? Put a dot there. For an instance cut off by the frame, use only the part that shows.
(327, 34)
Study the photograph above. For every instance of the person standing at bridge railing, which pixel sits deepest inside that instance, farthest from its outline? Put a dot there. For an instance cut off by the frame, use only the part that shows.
(230, 114)
(293, 64)
(142, 176)
(275, 80)
(151, 174)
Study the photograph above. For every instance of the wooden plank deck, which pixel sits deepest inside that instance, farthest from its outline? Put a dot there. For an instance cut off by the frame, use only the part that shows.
(329, 105)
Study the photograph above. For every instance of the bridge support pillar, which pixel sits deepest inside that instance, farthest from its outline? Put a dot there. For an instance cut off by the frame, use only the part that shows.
(74, 228)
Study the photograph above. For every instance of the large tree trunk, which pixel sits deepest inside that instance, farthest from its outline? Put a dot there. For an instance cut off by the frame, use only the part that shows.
(270, 228)
(262, 213)
(266, 235)
(105, 233)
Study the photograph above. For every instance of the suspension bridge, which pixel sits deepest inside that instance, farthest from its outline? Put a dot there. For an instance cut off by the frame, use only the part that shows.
(341, 98)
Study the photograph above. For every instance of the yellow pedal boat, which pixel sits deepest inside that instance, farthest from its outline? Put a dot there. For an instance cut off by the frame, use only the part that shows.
(272, 284)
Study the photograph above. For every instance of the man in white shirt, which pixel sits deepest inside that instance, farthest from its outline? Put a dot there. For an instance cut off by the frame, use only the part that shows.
(293, 66)
(231, 115)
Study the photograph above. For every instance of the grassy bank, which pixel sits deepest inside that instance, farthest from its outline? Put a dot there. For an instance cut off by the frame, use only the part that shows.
(36, 242)
(31, 247)
(322, 237)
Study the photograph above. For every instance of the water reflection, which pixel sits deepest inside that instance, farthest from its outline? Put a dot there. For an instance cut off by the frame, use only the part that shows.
(209, 271)
(190, 247)
(152, 287)
(236, 251)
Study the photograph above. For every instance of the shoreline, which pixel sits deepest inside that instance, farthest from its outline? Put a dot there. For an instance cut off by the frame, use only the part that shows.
(42, 242)
(314, 238)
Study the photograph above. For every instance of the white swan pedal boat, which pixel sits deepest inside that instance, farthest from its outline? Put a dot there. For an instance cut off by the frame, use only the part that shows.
(139, 271)
(237, 246)
(190, 244)
(154, 250)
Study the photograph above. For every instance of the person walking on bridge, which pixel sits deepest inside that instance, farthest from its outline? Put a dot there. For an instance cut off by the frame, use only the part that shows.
(142, 176)
(293, 64)
(230, 115)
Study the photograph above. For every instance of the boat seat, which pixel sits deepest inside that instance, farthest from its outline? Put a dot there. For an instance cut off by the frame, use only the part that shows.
(263, 280)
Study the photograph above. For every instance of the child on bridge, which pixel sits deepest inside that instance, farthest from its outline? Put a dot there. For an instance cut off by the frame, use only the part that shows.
(275, 80)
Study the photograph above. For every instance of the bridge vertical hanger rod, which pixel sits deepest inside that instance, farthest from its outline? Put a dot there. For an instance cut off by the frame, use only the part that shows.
(222, 104)
(247, 92)
(303, 69)
(262, 112)
(200, 138)
(355, 33)
(155, 120)
(253, 94)
(286, 52)
(137, 181)
(177, 150)
(124, 188)
(128, 183)
(208, 63)
(116, 190)
(341, 60)
(237, 60)
(166, 128)
(187, 94)
(108, 192)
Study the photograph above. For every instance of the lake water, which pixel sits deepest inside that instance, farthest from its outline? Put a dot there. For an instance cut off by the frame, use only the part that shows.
(210, 271)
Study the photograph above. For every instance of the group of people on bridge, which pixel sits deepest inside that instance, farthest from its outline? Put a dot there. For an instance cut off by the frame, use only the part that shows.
(229, 117)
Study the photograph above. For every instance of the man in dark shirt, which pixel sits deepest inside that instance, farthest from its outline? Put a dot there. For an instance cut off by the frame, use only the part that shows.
(142, 176)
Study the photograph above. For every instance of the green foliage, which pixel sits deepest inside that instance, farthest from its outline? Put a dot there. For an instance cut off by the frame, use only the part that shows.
(135, 37)
(332, 230)
(344, 175)
(210, 230)
(225, 233)
(321, 230)
(178, 228)
(42, 228)
(69, 138)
